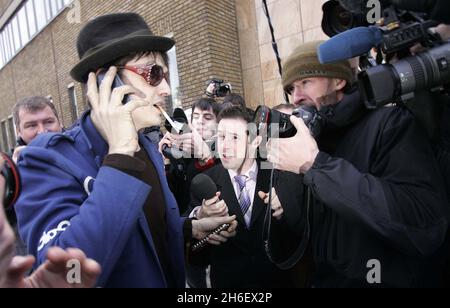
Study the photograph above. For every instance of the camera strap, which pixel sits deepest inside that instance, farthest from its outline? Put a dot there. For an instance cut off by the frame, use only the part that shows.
(274, 44)
(300, 250)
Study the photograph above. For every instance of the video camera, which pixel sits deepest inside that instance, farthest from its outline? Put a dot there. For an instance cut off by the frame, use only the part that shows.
(399, 29)
(217, 88)
(12, 179)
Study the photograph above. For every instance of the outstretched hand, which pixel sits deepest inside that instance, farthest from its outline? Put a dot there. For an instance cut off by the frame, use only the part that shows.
(63, 269)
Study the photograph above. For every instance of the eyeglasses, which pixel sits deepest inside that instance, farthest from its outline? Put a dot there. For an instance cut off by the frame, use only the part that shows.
(152, 73)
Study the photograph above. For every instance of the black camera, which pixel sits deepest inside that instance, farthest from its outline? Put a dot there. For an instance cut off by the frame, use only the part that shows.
(278, 125)
(217, 88)
(336, 19)
(394, 35)
(12, 181)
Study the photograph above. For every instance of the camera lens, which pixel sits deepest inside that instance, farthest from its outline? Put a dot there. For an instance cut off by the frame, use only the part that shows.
(12, 180)
(336, 19)
(341, 20)
(384, 84)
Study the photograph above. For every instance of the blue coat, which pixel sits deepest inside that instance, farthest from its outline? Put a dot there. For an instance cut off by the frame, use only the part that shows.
(69, 200)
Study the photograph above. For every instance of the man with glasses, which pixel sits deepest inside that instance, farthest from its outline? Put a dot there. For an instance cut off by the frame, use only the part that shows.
(100, 186)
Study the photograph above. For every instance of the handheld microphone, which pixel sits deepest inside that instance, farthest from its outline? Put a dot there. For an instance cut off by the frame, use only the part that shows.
(203, 188)
(349, 44)
(180, 116)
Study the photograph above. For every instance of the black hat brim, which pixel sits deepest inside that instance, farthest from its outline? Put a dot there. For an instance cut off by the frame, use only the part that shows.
(117, 50)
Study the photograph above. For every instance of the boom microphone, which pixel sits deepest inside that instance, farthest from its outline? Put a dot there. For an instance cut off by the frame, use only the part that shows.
(349, 44)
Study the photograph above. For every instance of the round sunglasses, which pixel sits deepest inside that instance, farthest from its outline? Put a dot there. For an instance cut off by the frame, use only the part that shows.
(152, 73)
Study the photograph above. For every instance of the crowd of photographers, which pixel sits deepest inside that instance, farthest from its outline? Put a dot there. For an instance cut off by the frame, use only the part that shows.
(356, 198)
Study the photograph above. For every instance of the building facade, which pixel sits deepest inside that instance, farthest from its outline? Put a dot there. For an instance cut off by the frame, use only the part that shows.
(227, 39)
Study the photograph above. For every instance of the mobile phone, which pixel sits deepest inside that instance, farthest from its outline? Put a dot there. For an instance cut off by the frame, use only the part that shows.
(116, 83)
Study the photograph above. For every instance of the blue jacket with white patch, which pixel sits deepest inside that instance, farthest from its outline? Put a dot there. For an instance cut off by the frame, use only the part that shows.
(69, 199)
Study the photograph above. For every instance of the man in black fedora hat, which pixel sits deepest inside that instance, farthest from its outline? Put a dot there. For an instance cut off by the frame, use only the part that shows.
(101, 186)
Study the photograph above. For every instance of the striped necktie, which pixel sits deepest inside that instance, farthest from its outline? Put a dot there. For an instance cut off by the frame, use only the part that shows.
(244, 198)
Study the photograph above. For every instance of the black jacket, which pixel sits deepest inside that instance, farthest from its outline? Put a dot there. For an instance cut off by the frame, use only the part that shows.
(242, 260)
(442, 146)
(378, 195)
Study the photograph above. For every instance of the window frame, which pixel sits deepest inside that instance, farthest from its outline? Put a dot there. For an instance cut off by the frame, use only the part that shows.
(13, 40)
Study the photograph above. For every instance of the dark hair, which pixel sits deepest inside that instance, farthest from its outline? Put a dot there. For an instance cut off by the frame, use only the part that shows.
(137, 54)
(235, 112)
(205, 104)
(32, 104)
(239, 113)
(234, 99)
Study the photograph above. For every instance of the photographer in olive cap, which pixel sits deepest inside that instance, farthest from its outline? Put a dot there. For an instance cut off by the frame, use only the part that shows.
(377, 191)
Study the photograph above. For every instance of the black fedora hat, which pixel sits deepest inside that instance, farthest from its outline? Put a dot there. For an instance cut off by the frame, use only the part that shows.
(110, 37)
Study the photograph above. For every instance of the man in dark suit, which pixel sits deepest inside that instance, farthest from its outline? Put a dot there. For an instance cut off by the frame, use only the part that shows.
(242, 261)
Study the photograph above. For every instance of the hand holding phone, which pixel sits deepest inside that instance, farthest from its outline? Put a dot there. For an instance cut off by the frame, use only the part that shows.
(113, 120)
(116, 83)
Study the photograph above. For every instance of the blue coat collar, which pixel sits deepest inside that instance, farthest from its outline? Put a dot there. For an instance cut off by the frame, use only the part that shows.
(100, 148)
(94, 140)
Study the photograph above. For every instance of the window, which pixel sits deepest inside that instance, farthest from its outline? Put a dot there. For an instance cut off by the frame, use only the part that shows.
(16, 34)
(53, 7)
(2, 52)
(4, 135)
(23, 26)
(73, 102)
(4, 46)
(59, 5)
(41, 15)
(9, 41)
(31, 18)
(48, 10)
(174, 79)
(11, 133)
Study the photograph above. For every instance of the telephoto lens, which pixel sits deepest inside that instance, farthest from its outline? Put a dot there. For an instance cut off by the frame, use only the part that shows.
(384, 84)
(12, 180)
